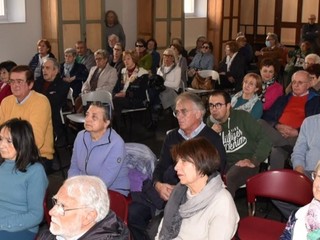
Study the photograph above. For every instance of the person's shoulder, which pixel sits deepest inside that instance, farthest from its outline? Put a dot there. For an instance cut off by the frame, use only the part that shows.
(8, 100)
(36, 167)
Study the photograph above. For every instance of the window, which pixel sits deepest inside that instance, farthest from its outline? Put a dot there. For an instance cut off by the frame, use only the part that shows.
(12, 11)
(195, 8)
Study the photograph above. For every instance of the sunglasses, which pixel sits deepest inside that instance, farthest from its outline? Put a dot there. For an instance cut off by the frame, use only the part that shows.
(205, 47)
(139, 45)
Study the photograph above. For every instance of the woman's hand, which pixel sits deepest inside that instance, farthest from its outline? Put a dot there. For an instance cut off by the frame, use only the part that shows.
(120, 94)
(164, 190)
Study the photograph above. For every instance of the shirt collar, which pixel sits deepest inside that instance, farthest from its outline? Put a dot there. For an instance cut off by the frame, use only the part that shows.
(194, 133)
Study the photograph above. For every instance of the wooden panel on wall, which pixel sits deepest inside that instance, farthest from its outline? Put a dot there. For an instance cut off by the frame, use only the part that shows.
(70, 10)
(289, 11)
(144, 19)
(247, 12)
(71, 34)
(226, 8)
(234, 27)
(309, 7)
(266, 6)
(49, 10)
(226, 26)
(176, 29)
(160, 28)
(236, 8)
(93, 10)
(161, 8)
(288, 36)
(176, 8)
(94, 37)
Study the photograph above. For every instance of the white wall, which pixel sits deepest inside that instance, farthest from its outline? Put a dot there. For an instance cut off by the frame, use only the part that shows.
(127, 13)
(18, 40)
(193, 28)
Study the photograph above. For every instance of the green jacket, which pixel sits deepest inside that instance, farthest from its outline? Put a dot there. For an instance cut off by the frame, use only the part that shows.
(243, 138)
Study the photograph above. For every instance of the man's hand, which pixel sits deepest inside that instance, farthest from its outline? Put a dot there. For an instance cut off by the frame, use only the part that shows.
(164, 190)
(245, 163)
(287, 131)
(299, 169)
(217, 128)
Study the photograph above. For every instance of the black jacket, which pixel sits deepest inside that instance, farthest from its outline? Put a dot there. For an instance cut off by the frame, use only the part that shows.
(111, 227)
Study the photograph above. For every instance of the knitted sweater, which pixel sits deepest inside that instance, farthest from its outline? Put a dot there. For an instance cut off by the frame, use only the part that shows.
(35, 109)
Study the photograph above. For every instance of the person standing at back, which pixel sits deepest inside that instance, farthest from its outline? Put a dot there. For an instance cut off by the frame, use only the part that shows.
(311, 32)
(113, 26)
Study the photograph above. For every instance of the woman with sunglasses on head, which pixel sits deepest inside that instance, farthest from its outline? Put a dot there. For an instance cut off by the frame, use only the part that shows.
(144, 58)
(202, 60)
(23, 182)
(100, 151)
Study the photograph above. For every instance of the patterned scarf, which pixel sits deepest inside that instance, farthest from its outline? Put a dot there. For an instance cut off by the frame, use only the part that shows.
(265, 86)
(313, 220)
(248, 105)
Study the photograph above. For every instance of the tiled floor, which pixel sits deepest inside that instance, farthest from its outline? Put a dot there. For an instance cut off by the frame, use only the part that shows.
(154, 140)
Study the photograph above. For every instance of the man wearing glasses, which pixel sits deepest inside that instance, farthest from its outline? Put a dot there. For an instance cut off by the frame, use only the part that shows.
(244, 140)
(189, 111)
(29, 105)
(81, 210)
(283, 120)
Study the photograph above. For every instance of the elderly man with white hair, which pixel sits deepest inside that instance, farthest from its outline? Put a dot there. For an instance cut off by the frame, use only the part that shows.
(81, 211)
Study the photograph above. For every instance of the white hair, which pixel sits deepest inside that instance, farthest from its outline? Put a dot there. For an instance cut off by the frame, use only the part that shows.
(91, 192)
(313, 56)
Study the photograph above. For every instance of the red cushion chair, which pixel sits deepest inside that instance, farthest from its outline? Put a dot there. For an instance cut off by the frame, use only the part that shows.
(284, 185)
(119, 204)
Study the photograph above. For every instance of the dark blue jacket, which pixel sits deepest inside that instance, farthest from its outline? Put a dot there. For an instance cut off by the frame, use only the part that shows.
(312, 107)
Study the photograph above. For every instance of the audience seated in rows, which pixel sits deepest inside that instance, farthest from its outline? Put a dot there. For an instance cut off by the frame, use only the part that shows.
(23, 181)
(29, 105)
(244, 140)
(5, 68)
(178, 41)
(117, 62)
(181, 61)
(84, 55)
(197, 49)
(309, 60)
(200, 200)
(134, 84)
(43, 52)
(189, 111)
(202, 60)
(152, 46)
(99, 150)
(113, 26)
(56, 90)
(245, 49)
(73, 73)
(248, 99)
(232, 68)
(171, 73)
(271, 88)
(284, 118)
(91, 218)
(144, 58)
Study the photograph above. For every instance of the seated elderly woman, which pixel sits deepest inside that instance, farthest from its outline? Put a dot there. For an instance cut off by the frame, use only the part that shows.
(304, 223)
(23, 181)
(199, 206)
(5, 68)
(100, 151)
(171, 73)
(133, 86)
(248, 99)
(72, 72)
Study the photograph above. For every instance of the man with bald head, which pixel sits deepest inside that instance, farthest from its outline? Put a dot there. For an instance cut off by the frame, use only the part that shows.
(286, 116)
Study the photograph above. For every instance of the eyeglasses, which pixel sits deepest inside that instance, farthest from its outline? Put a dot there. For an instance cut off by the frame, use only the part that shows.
(16, 81)
(60, 207)
(205, 47)
(139, 45)
(216, 106)
(314, 175)
(182, 112)
(98, 59)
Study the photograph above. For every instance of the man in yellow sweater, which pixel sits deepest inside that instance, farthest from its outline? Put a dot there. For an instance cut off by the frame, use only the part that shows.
(31, 106)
